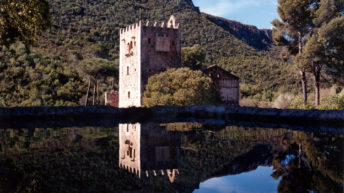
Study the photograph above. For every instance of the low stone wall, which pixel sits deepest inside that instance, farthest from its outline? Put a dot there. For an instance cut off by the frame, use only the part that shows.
(225, 115)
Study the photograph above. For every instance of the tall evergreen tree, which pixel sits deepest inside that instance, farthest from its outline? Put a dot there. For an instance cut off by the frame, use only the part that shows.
(325, 47)
(95, 70)
(293, 30)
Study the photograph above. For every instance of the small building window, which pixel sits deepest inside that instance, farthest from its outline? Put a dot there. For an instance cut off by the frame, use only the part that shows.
(127, 70)
(128, 95)
(172, 43)
(149, 40)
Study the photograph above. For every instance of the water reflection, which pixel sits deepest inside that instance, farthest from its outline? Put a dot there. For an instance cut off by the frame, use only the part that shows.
(149, 150)
(148, 157)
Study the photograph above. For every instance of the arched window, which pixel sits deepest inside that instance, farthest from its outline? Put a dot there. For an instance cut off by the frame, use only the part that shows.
(127, 70)
(129, 95)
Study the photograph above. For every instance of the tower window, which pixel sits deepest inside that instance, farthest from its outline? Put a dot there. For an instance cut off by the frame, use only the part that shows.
(128, 95)
(127, 70)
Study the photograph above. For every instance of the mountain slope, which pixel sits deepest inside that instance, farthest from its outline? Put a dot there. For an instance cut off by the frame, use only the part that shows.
(91, 28)
(82, 23)
(84, 29)
(260, 39)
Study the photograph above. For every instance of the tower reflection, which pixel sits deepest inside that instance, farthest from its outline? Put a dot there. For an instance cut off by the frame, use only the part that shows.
(149, 150)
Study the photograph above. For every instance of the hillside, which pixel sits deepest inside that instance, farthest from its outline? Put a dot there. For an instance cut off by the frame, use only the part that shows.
(260, 39)
(84, 29)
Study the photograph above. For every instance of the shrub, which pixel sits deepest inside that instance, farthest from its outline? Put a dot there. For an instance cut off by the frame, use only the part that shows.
(332, 102)
(283, 101)
(297, 103)
(179, 87)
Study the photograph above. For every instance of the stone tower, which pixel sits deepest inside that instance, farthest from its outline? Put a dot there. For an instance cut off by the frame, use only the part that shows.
(145, 50)
(149, 150)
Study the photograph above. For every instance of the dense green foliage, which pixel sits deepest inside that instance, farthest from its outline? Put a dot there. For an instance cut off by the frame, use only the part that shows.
(179, 87)
(97, 70)
(23, 20)
(35, 78)
(254, 82)
(193, 57)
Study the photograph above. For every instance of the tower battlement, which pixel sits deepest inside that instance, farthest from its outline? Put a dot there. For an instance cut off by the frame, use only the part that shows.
(171, 24)
(170, 173)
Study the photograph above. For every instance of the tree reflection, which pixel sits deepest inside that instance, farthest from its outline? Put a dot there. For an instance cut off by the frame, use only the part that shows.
(310, 163)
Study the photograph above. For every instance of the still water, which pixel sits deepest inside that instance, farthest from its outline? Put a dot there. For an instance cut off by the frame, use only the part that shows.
(171, 157)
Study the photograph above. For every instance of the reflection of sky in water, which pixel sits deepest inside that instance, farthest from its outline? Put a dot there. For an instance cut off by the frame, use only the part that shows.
(257, 181)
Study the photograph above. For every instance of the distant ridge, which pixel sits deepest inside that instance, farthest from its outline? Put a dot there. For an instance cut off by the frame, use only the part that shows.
(258, 38)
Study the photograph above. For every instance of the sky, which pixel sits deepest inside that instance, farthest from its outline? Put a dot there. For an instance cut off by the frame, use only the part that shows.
(253, 12)
(256, 181)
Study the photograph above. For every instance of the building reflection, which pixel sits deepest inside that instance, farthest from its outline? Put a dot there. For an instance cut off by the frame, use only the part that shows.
(149, 150)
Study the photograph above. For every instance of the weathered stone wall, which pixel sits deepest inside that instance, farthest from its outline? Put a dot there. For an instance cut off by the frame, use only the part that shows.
(160, 50)
(146, 50)
(130, 66)
(111, 98)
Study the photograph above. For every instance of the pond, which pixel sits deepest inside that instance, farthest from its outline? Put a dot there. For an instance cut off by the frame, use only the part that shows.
(170, 157)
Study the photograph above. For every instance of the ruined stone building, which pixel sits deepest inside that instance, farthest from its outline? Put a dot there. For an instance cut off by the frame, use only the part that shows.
(111, 98)
(145, 50)
(227, 84)
(149, 150)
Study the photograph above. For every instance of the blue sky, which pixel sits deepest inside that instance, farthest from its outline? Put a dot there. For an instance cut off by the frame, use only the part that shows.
(256, 181)
(253, 12)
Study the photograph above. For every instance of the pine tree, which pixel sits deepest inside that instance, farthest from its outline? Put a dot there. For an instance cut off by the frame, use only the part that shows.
(293, 30)
(325, 47)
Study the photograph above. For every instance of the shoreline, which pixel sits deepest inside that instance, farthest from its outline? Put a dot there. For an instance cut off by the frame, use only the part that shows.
(223, 115)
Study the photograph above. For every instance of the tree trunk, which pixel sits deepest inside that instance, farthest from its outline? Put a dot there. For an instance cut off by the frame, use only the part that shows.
(300, 43)
(299, 155)
(303, 73)
(317, 86)
(304, 86)
(94, 93)
(88, 90)
(97, 102)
